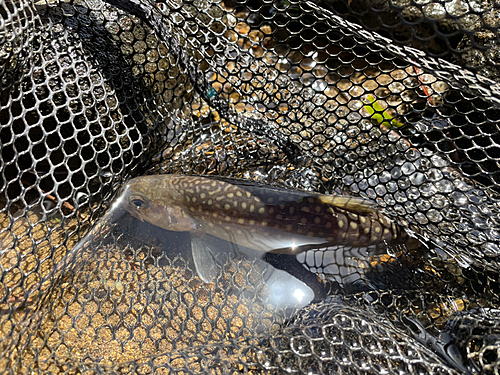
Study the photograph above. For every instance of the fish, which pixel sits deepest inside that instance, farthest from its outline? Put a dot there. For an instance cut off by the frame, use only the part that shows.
(254, 216)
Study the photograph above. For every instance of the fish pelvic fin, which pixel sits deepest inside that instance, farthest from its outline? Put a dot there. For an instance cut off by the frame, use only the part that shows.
(205, 263)
(353, 204)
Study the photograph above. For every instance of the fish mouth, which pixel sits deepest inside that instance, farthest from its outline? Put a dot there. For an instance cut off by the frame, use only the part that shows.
(137, 215)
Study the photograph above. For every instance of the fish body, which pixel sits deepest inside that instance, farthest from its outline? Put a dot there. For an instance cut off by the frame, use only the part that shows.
(257, 216)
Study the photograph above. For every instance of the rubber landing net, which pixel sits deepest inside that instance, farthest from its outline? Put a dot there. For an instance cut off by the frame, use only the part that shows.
(392, 100)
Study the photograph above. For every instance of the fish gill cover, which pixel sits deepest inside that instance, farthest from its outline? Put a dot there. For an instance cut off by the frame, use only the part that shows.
(394, 102)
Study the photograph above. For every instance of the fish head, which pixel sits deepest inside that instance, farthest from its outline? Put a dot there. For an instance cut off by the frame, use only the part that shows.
(149, 199)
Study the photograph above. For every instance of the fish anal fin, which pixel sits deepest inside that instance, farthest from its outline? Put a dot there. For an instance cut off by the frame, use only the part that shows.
(353, 204)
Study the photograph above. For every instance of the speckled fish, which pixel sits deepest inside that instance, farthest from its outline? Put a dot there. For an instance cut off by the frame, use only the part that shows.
(255, 216)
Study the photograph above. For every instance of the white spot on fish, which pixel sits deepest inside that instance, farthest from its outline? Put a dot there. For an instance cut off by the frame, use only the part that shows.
(244, 205)
(230, 195)
(261, 210)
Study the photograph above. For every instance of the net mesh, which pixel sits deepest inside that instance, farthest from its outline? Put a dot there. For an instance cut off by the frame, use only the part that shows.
(395, 101)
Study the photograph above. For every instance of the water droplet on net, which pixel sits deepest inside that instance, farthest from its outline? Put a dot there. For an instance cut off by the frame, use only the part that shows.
(421, 219)
(444, 186)
(408, 168)
(396, 172)
(491, 249)
(434, 174)
(417, 178)
(438, 161)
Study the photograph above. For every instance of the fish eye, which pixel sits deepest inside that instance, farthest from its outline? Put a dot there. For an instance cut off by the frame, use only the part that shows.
(138, 202)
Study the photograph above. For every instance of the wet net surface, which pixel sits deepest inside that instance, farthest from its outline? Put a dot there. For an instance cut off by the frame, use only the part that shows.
(394, 101)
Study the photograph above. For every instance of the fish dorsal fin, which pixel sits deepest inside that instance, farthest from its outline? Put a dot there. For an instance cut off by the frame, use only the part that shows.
(353, 204)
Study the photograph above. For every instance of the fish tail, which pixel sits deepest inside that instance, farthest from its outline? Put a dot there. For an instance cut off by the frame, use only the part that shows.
(368, 229)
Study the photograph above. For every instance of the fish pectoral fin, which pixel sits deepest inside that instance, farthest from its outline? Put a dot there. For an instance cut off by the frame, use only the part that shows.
(205, 263)
(180, 219)
(353, 204)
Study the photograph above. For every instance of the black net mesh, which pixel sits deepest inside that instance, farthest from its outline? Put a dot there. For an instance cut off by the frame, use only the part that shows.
(396, 101)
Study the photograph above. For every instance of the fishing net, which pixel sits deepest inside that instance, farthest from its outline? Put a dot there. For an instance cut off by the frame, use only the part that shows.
(395, 101)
